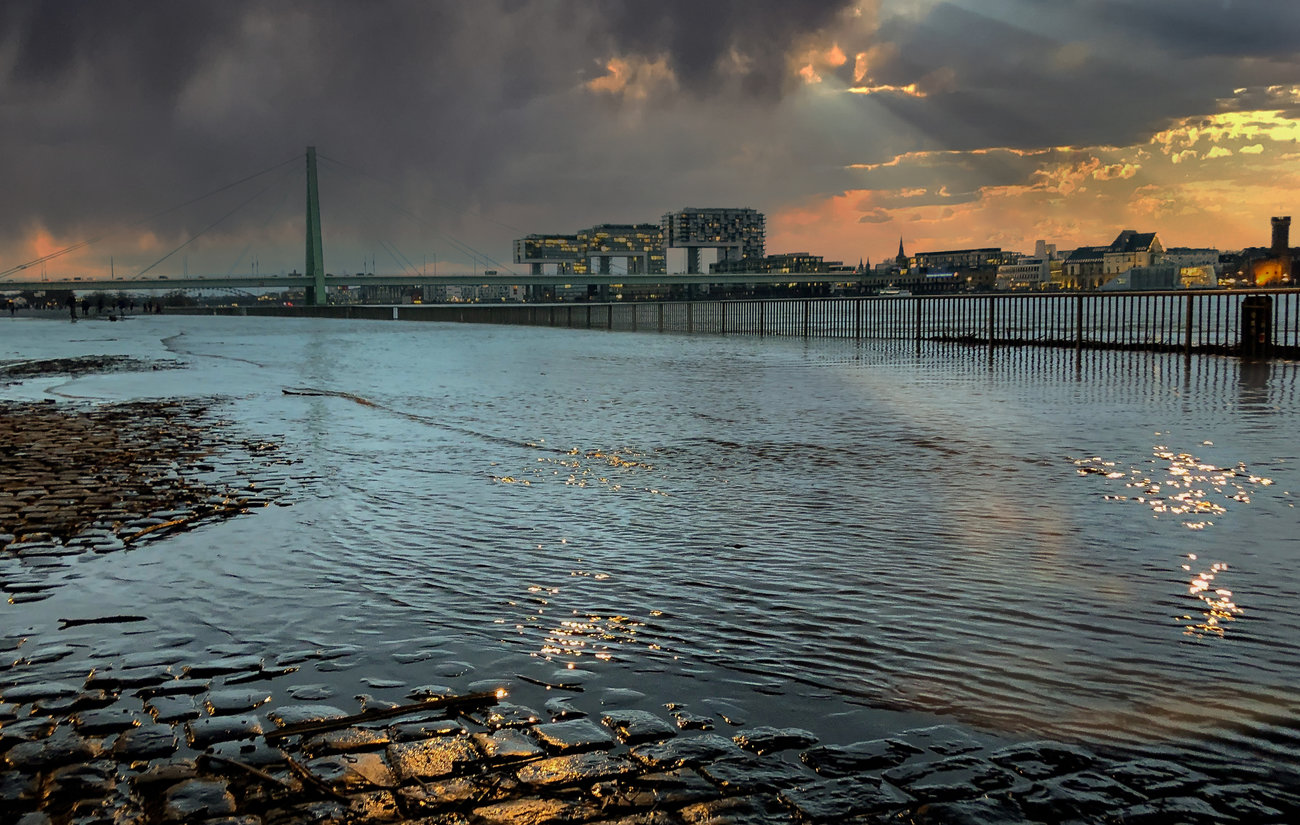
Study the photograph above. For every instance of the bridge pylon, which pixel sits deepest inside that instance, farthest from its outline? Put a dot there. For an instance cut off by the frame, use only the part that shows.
(315, 265)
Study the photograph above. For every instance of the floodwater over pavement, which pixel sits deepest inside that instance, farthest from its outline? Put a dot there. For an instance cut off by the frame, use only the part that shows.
(846, 537)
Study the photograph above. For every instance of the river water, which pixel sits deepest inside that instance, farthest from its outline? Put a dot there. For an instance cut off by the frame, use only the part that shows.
(845, 537)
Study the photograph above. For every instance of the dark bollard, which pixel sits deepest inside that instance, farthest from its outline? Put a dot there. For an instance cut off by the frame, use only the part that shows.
(1257, 326)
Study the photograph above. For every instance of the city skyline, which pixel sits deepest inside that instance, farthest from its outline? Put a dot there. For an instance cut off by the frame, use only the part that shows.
(849, 124)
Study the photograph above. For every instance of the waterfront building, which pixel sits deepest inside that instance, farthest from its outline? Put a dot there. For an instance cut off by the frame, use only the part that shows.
(1131, 248)
(1085, 267)
(974, 269)
(964, 258)
(791, 262)
(1157, 276)
(640, 245)
(564, 252)
(1196, 267)
(1027, 273)
(731, 234)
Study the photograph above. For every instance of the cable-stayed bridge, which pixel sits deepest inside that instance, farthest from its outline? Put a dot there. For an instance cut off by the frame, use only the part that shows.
(316, 282)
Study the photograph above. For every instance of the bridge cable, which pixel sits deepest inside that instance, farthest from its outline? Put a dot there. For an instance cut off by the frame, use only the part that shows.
(393, 253)
(283, 200)
(212, 225)
(456, 243)
(81, 244)
(409, 263)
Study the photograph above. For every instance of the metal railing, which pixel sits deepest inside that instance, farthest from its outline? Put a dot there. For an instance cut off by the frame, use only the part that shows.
(1187, 321)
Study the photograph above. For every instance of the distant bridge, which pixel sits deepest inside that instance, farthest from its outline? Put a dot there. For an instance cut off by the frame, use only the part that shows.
(316, 283)
(352, 281)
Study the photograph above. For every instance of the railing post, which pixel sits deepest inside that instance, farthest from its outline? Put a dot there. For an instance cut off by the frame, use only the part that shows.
(690, 317)
(806, 309)
(917, 302)
(1078, 323)
(610, 323)
(724, 317)
(1187, 328)
(661, 316)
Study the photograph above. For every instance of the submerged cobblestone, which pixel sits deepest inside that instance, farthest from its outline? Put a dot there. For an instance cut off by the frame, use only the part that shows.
(95, 479)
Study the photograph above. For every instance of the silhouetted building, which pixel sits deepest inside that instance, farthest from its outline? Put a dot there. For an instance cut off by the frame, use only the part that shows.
(1276, 269)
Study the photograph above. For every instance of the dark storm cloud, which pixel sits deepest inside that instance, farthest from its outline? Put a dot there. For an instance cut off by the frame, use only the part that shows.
(494, 118)
(1226, 28)
(52, 38)
(698, 36)
(118, 109)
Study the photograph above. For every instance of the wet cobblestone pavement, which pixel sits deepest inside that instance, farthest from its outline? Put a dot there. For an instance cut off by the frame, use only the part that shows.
(96, 479)
(147, 740)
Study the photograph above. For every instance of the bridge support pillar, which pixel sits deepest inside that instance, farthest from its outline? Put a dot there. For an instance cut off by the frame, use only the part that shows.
(315, 267)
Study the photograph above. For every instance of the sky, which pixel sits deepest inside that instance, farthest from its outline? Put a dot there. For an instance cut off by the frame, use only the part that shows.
(446, 129)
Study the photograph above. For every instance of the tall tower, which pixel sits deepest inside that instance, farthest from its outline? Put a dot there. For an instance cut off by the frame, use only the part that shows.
(315, 265)
(1281, 235)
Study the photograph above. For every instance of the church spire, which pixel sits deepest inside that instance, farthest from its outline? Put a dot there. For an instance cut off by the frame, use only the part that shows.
(901, 260)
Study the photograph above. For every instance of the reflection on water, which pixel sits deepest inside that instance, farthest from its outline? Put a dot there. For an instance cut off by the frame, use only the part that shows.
(852, 524)
(1203, 489)
(1219, 607)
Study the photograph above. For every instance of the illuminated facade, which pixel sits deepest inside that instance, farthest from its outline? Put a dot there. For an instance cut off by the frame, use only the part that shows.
(1085, 268)
(565, 252)
(641, 245)
(1196, 267)
(788, 262)
(964, 258)
(1027, 273)
(734, 233)
(1130, 249)
(1088, 267)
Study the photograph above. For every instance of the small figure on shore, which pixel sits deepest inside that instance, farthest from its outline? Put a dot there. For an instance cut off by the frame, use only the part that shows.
(11, 306)
(99, 307)
(85, 307)
(72, 307)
